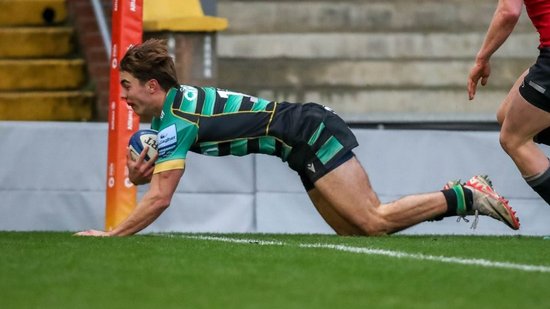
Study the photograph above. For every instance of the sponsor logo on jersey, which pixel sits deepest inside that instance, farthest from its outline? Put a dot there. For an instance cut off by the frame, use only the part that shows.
(167, 141)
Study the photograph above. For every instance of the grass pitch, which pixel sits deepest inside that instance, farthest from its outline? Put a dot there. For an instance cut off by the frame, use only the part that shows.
(58, 270)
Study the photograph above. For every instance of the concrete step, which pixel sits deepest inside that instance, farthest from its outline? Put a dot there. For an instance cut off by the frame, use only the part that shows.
(267, 16)
(39, 80)
(376, 91)
(52, 74)
(370, 45)
(47, 106)
(32, 12)
(376, 60)
(395, 105)
(34, 42)
(395, 74)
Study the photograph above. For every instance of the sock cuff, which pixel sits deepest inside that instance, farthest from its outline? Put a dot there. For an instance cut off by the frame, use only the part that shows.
(538, 179)
(457, 201)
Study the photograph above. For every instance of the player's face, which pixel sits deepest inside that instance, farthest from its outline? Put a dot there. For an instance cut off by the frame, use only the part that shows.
(135, 94)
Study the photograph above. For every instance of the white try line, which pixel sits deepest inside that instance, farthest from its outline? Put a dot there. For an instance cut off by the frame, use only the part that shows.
(388, 253)
(238, 240)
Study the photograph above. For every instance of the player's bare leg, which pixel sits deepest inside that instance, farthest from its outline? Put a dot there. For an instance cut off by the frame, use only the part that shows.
(522, 122)
(348, 190)
(505, 105)
(413, 209)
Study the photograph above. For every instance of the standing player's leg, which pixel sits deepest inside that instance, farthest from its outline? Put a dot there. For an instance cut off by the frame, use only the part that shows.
(522, 122)
(505, 105)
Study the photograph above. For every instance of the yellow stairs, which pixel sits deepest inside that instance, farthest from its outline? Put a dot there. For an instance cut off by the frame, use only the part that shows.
(40, 77)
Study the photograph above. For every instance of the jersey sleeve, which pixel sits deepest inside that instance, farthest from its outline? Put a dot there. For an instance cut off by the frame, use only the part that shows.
(174, 140)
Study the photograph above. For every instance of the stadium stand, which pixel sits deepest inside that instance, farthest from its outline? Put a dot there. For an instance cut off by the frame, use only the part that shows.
(380, 61)
(41, 75)
(374, 62)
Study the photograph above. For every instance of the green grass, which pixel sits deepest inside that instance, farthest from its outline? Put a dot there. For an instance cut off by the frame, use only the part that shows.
(57, 270)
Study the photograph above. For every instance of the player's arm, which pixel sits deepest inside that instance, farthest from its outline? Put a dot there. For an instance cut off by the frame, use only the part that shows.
(154, 202)
(504, 20)
(140, 171)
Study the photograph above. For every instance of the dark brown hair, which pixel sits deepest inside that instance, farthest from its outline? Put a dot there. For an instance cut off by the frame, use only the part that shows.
(150, 60)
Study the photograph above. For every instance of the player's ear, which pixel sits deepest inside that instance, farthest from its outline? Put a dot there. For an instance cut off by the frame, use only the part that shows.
(152, 85)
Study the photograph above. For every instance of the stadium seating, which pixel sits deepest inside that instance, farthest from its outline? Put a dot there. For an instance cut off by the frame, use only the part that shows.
(41, 77)
(379, 60)
(372, 61)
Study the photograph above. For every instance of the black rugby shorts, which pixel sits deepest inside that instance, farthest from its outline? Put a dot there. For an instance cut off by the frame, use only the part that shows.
(325, 143)
(535, 88)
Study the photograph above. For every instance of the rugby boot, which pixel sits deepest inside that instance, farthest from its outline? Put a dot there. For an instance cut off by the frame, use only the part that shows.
(487, 202)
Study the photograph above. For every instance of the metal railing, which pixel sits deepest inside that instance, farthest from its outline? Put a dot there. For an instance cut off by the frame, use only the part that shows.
(102, 24)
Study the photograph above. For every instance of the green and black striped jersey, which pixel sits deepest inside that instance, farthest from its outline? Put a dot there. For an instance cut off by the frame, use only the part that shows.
(218, 122)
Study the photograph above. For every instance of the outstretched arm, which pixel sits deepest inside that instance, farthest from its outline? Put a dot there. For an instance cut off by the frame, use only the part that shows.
(504, 20)
(154, 202)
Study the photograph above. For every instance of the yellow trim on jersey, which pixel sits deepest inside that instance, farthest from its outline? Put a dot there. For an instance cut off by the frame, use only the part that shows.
(169, 165)
(248, 138)
(270, 118)
(185, 119)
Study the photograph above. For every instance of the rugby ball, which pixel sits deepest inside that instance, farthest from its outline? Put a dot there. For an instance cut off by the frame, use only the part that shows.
(139, 140)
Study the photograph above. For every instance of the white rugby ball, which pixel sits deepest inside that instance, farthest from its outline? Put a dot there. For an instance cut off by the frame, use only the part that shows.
(139, 140)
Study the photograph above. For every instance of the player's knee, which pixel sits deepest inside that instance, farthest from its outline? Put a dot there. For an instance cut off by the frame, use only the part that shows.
(509, 142)
(504, 142)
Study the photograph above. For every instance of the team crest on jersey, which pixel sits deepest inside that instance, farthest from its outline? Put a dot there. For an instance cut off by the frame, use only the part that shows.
(167, 141)
(189, 93)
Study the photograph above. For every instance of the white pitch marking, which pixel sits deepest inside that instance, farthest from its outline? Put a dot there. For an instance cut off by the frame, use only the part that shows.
(238, 240)
(443, 259)
(389, 253)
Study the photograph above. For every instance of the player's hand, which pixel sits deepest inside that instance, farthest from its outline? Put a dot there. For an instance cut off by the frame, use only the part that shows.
(480, 70)
(94, 233)
(140, 171)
